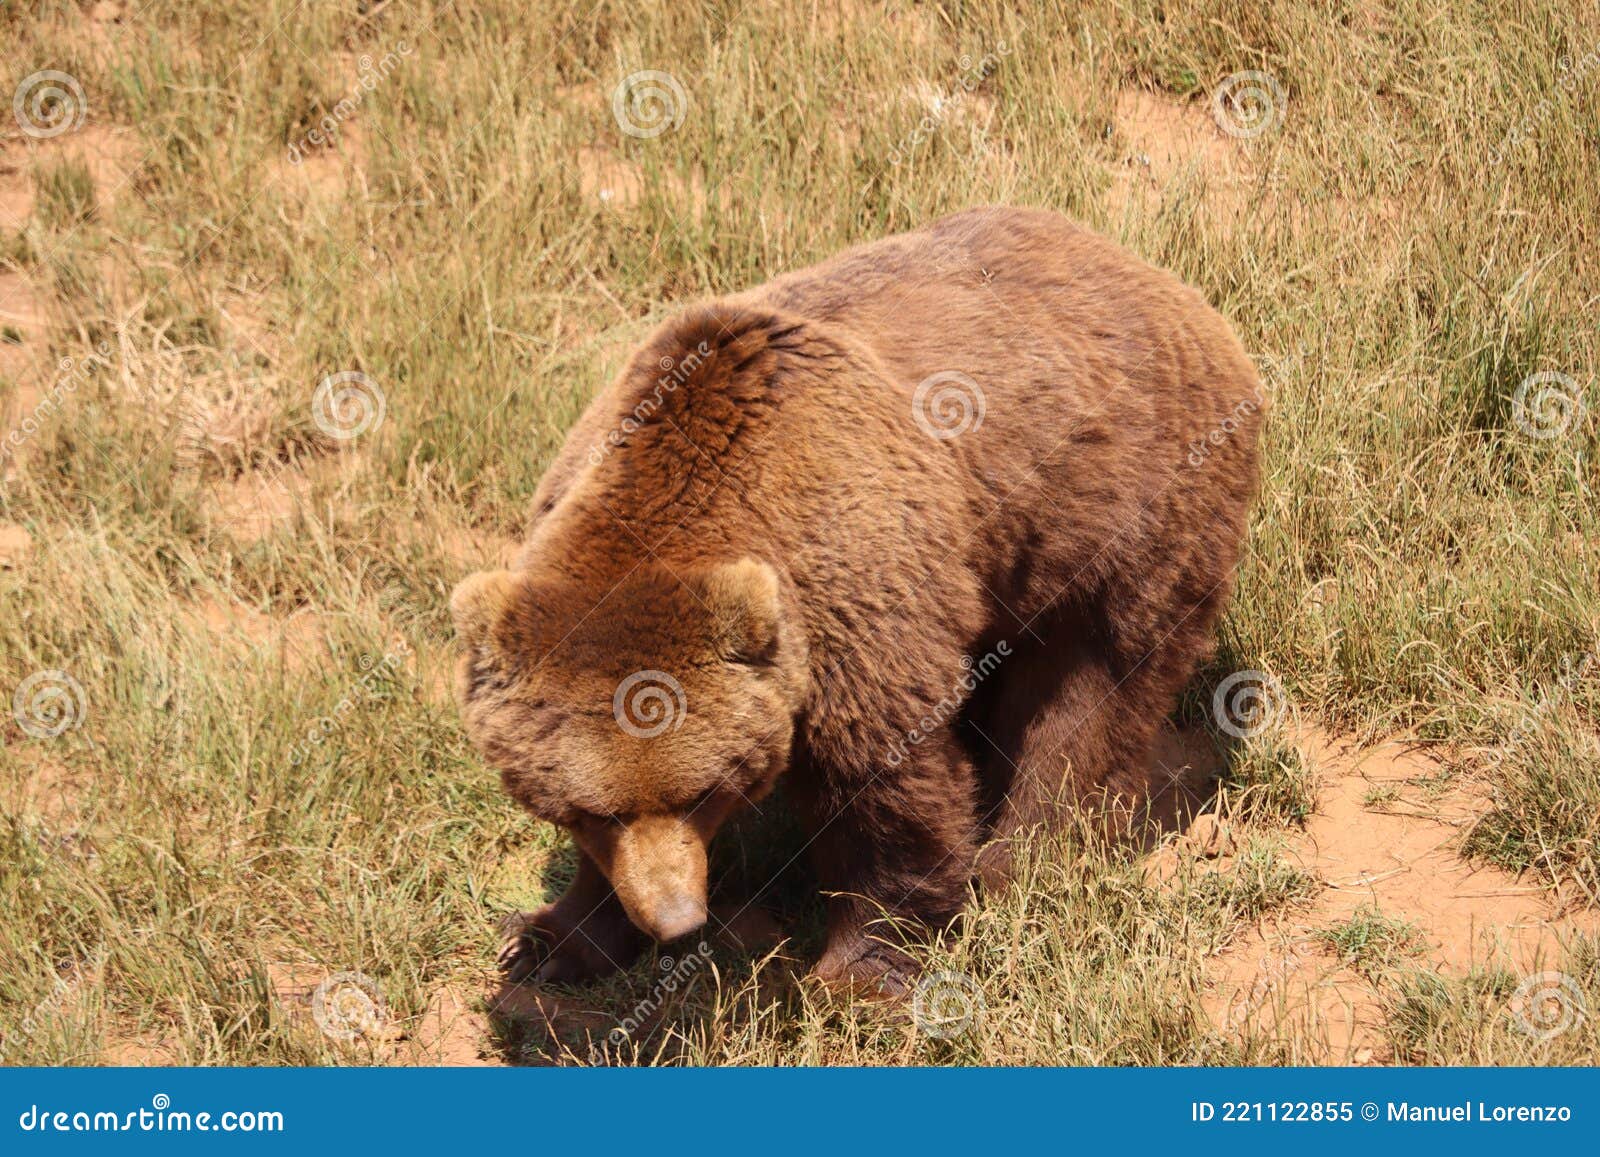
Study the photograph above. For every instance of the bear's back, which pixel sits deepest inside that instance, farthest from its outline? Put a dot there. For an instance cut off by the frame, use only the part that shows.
(1015, 367)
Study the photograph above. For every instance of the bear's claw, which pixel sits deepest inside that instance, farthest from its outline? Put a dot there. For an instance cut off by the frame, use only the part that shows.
(547, 949)
(524, 947)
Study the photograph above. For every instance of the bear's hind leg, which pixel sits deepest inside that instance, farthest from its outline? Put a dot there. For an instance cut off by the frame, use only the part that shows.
(1070, 724)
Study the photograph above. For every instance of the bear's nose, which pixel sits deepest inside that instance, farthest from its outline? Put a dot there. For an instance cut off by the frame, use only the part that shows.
(676, 917)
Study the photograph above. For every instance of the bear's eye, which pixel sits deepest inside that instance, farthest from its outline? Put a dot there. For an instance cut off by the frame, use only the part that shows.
(591, 821)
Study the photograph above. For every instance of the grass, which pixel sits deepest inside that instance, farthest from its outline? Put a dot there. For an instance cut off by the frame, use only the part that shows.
(1372, 943)
(1546, 797)
(1495, 1018)
(1270, 779)
(65, 194)
(218, 575)
(1379, 796)
(1085, 960)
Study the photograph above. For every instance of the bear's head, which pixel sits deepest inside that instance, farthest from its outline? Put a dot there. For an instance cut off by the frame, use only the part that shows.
(638, 716)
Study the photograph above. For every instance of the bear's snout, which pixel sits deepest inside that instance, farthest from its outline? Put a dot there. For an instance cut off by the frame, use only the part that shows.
(679, 916)
(657, 864)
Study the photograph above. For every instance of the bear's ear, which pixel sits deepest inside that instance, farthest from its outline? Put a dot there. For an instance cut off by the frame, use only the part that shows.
(743, 597)
(478, 602)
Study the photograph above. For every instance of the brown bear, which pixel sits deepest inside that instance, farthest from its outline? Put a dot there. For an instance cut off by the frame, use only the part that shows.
(935, 530)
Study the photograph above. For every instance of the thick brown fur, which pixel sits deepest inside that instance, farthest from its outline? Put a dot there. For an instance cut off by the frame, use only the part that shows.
(755, 509)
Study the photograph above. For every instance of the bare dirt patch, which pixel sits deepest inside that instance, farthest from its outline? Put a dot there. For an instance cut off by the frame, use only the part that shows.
(1166, 137)
(257, 503)
(254, 505)
(453, 1030)
(47, 793)
(16, 544)
(476, 549)
(324, 174)
(608, 178)
(1384, 844)
(1167, 141)
(16, 189)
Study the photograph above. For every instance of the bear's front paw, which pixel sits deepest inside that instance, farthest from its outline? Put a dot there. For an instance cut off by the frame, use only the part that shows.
(868, 969)
(549, 948)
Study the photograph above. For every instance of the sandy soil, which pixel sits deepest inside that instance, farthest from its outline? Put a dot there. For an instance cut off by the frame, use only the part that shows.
(1399, 858)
